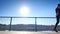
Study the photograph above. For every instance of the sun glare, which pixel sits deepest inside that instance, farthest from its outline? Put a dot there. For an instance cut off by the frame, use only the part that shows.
(24, 11)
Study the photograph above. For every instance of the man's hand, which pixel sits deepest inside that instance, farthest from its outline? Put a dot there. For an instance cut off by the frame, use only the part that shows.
(56, 14)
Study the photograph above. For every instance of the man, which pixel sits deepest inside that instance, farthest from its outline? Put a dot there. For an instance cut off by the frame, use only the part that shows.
(57, 17)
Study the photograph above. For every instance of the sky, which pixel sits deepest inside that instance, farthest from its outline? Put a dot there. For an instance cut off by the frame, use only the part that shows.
(37, 8)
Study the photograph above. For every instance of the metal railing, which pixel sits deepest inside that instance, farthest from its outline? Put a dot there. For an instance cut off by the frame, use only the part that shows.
(24, 17)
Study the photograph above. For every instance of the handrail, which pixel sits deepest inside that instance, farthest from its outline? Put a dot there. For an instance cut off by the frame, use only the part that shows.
(24, 17)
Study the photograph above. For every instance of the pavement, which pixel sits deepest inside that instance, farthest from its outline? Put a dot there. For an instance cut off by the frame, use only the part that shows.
(29, 32)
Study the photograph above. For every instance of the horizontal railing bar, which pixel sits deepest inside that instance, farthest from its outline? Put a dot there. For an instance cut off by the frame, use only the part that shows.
(24, 17)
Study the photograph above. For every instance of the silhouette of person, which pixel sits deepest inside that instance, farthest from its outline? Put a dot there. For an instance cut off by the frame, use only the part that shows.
(57, 17)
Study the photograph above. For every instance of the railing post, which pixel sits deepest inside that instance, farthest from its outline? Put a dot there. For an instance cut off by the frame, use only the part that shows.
(35, 23)
(10, 24)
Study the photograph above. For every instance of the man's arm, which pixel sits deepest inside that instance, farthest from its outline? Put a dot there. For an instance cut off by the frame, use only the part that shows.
(57, 12)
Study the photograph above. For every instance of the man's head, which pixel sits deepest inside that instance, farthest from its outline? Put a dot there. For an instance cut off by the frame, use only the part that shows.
(59, 5)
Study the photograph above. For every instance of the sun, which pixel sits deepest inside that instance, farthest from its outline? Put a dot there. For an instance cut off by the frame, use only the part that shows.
(24, 11)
